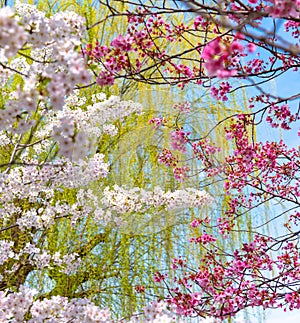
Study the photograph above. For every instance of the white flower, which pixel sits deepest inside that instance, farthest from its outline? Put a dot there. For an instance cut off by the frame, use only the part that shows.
(110, 129)
(12, 35)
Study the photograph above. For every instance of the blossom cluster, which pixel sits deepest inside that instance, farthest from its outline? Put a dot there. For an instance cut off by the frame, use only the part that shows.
(222, 298)
(51, 70)
(129, 53)
(140, 43)
(283, 8)
(55, 67)
(214, 291)
(104, 112)
(137, 200)
(179, 138)
(39, 258)
(17, 306)
(12, 34)
(215, 55)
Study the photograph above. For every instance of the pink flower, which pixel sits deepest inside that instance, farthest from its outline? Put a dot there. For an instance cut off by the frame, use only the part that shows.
(284, 8)
(236, 46)
(215, 55)
(179, 140)
(123, 43)
(212, 49)
(199, 21)
(158, 277)
(180, 173)
(195, 223)
(251, 48)
(220, 93)
(157, 122)
(105, 78)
